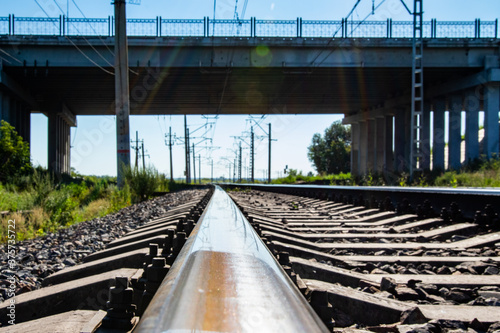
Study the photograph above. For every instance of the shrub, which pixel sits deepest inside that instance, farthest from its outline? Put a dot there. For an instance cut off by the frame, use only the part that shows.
(143, 182)
(14, 154)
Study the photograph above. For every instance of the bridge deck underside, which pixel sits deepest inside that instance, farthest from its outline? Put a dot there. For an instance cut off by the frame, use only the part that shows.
(90, 91)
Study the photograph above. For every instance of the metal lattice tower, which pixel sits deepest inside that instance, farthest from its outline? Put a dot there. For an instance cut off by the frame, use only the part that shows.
(417, 91)
(239, 165)
(252, 156)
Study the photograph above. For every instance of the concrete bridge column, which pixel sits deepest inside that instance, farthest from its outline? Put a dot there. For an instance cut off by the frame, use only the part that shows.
(471, 106)
(16, 113)
(439, 134)
(407, 140)
(363, 147)
(355, 149)
(454, 131)
(399, 140)
(388, 153)
(380, 137)
(426, 137)
(4, 106)
(59, 140)
(370, 145)
(491, 109)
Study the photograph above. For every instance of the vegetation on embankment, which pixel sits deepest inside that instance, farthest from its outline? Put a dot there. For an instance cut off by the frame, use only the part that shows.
(480, 173)
(41, 202)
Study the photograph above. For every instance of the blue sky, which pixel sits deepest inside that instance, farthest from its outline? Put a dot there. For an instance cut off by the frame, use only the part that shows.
(93, 141)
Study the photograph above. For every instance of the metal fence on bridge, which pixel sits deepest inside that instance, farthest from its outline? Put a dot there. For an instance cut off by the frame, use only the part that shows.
(159, 27)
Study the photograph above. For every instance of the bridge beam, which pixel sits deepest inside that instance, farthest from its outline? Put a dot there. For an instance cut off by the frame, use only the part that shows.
(60, 122)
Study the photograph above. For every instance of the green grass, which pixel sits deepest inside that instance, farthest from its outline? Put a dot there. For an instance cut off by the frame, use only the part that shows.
(295, 177)
(41, 204)
(478, 173)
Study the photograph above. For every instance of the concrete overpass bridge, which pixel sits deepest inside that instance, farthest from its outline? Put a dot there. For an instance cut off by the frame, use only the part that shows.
(64, 68)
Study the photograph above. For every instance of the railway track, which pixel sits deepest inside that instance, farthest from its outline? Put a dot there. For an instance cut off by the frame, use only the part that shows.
(361, 263)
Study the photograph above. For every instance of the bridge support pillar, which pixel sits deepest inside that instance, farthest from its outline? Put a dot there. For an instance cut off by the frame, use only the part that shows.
(363, 147)
(17, 114)
(491, 109)
(4, 107)
(407, 138)
(380, 138)
(59, 140)
(439, 134)
(454, 132)
(471, 106)
(400, 164)
(388, 153)
(371, 132)
(355, 132)
(426, 137)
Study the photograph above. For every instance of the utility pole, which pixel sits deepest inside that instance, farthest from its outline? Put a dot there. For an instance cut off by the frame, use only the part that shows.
(269, 159)
(186, 144)
(194, 166)
(252, 156)
(122, 98)
(234, 171)
(136, 148)
(239, 165)
(212, 171)
(143, 157)
(199, 168)
(170, 147)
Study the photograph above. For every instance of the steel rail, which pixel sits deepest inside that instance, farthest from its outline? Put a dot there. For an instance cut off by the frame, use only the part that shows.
(226, 280)
(470, 200)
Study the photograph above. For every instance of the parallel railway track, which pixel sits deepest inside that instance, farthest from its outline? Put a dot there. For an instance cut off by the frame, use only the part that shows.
(367, 260)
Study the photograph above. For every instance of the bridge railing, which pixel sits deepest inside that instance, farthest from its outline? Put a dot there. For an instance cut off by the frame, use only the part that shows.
(63, 26)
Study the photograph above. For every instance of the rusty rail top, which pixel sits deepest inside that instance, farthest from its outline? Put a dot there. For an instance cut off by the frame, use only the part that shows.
(226, 280)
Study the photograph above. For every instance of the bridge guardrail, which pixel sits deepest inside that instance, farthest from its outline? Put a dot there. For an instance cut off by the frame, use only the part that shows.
(159, 27)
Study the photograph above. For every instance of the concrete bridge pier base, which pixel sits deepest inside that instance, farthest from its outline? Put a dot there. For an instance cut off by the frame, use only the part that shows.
(491, 109)
(454, 131)
(438, 134)
(59, 140)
